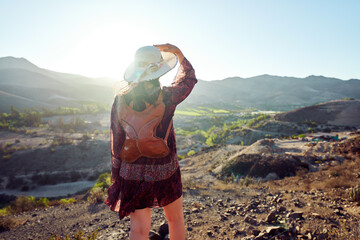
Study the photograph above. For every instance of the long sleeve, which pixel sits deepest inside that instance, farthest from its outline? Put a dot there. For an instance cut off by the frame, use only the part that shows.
(184, 82)
(116, 140)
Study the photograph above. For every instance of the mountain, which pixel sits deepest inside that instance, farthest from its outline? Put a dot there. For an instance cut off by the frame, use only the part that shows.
(23, 84)
(268, 92)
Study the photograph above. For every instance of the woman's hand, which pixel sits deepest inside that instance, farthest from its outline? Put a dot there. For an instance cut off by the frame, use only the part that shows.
(171, 48)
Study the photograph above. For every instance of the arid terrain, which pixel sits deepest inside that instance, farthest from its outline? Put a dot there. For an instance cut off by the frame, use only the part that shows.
(313, 204)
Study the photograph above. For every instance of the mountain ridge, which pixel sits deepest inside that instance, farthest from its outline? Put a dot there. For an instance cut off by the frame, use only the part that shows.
(264, 92)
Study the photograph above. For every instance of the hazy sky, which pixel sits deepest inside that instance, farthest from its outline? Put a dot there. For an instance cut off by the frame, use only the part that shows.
(221, 38)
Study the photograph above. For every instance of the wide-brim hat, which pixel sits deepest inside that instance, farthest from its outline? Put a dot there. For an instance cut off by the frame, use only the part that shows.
(149, 63)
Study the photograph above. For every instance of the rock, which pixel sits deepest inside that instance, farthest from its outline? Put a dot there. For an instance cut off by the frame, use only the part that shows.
(195, 210)
(154, 235)
(295, 215)
(163, 229)
(273, 230)
(337, 211)
(309, 236)
(233, 223)
(271, 176)
(262, 236)
(285, 237)
(223, 217)
(255, 232)
(250, 220)
(271, 217)
(238, 232)
(315, 215)
(197, 205)
(282, 209)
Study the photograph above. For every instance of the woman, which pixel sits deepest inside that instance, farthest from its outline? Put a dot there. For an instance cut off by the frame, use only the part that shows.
(145, 170)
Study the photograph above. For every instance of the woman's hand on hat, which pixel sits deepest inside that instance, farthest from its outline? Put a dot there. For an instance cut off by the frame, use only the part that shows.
(171, 48)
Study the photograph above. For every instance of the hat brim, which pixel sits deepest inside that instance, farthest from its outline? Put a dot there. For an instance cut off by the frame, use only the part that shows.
(136, 74)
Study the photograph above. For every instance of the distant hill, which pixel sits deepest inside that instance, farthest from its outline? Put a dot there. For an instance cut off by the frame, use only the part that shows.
(337, 113)
(268, 92)
(23, 84)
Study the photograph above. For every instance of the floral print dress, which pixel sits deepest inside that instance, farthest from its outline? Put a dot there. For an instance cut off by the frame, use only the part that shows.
(149, 182)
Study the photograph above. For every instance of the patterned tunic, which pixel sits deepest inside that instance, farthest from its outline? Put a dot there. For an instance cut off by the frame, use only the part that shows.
(149, 182)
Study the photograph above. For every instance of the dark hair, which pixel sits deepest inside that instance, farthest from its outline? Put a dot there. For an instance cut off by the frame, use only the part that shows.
(139, 95)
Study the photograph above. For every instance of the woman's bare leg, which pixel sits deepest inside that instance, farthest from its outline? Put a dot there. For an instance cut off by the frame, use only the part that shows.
(175, 216)
(140, 223)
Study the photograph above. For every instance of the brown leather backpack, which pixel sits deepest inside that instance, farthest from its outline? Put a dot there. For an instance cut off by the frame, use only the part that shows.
(140, 131)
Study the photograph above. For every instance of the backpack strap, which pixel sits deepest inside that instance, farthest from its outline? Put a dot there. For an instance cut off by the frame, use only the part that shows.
(168, 130)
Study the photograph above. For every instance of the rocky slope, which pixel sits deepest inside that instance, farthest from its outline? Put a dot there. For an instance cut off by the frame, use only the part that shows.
(310, 205)
(337, 113)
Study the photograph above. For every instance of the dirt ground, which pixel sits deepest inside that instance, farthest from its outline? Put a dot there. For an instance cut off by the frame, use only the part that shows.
(310, 205)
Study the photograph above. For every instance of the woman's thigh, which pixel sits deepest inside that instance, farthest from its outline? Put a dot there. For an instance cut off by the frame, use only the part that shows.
(140, 219)
(174, 210)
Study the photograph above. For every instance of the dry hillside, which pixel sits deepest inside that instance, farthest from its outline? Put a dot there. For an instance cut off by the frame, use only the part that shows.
(313, 204)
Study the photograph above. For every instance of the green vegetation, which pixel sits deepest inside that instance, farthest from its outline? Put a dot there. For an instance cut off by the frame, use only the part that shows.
(67, 201)
(310, 123)
(88, 108)
(98, 192)
(217, 135)
(24, 203)
(18, 121)
(15, 119)
(28, 203)
(190, 153)
(78, 124)
(106, 132)
(257, 122)
(201, 111)
(301, 136)
(216, 129)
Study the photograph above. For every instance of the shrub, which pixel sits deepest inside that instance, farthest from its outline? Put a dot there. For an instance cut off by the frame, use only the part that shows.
(22, 204)
(103, 181)
(96, 132)
(5, 211)
(246, 181)
(6, 157)
(26, 203)
(355, 194)
(106, 132)
(190, 153)
(8, 223)
(67, 201)
(42, 202)
(98, 192)
(97, 195)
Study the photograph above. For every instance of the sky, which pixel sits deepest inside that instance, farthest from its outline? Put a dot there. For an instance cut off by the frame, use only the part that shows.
(221, 38)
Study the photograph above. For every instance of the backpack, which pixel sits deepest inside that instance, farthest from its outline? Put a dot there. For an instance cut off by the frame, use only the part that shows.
(140, 131)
